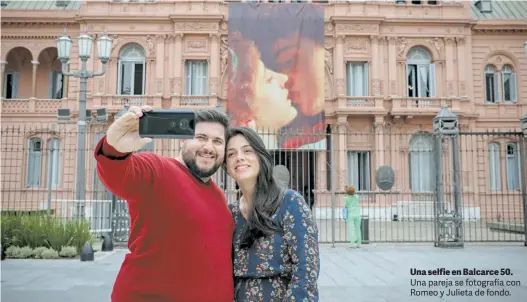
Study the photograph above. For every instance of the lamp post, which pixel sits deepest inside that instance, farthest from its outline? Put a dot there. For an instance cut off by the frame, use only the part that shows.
(104, 47)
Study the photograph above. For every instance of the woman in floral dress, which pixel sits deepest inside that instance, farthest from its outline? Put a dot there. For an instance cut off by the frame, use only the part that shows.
(275, 242)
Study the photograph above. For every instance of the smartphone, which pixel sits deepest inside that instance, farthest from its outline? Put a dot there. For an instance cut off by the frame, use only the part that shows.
(178, 124)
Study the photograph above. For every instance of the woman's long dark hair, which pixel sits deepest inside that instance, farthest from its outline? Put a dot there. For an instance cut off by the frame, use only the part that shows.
(268, 193)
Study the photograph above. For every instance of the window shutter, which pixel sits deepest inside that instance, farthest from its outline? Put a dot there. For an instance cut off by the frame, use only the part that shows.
(407, 81)
(366, 80)
(495, 88)
(513, 88)
(188, 82)
(348, 79)
(16, 80)
(432, 80)
(203, 78)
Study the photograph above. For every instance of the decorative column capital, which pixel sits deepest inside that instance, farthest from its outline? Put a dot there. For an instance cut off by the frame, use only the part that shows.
(214, 36)
(34, 62)
(342, 120)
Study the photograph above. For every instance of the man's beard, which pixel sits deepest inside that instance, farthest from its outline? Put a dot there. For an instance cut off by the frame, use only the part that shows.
(190, 161)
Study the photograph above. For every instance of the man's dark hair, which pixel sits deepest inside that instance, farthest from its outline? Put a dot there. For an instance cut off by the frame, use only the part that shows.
(213, 116)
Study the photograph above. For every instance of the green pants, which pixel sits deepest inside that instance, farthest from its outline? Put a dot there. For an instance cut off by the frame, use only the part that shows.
(354, 230)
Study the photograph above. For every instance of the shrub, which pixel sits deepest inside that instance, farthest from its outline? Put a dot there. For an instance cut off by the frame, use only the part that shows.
(68, 252)
(26, 252)
(42, 230)
(37, 252)
(12, 252)
(49, 254)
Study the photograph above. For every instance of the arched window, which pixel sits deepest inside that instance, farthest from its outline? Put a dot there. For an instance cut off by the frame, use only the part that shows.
(508, 78)
(513, 162)
(53, 173)
(421, 163)
(420, 73)
(131, 71)
(491, 85)
(34, 163)
(494, 167)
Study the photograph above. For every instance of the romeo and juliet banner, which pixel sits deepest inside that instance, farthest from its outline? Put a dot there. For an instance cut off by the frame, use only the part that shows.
(276, 72)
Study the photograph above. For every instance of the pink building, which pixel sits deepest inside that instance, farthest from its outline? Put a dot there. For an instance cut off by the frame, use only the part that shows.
(390, 67)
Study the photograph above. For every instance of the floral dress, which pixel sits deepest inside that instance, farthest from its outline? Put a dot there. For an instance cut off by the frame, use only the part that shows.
(284, 266)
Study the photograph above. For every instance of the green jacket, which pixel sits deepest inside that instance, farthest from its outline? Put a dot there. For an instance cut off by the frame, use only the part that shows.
(352, 204)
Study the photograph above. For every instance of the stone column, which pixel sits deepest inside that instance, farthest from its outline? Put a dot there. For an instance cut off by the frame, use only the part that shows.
(375, 63)
(379, 140)
(342, 151)
(171, 60)
(469, 75)
(449, 53)
(383, 65)
(34, 79)
(160, 64)
(113, 73)
(3, 64)
(339, 66)
(392, 63)
(401, 78)
(449, 224)
(461, 66)
(150, 87)
(178, 70)
(214, 72)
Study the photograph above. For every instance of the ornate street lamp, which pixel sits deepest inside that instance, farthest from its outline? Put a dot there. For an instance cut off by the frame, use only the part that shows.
(104, 47)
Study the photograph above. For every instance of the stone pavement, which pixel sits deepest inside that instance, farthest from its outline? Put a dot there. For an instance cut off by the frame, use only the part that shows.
(371, 274)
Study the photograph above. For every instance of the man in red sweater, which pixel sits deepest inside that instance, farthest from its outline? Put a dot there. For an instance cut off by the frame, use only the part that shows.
(181, 228)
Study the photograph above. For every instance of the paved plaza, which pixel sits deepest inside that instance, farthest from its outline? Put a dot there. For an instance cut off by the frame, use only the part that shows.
(371, 274)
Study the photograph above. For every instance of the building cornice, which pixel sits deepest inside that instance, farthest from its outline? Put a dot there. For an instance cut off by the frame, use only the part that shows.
(29, 37)
(500, 26)
(37, 22)
(431, 21)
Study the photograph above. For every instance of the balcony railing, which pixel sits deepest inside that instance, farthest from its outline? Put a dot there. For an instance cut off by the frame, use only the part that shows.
(31, 105)
(426, 106)
(193, 100)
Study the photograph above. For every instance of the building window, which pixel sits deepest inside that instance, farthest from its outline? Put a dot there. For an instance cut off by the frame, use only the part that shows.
(196, 73)
(420, 73)
(56, 85)
(132, 71)
(491, 85)
(11, 81)
(359, 170)
(53, 162)
(422, 173)
(34, 163)
(508, 78)
(494, 167)
(513, 162)
(357, 79)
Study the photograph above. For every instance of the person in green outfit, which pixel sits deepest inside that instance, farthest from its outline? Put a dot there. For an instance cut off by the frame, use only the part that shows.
(353, 208)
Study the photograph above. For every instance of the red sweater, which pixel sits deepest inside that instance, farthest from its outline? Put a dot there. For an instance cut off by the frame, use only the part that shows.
(181, 230)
